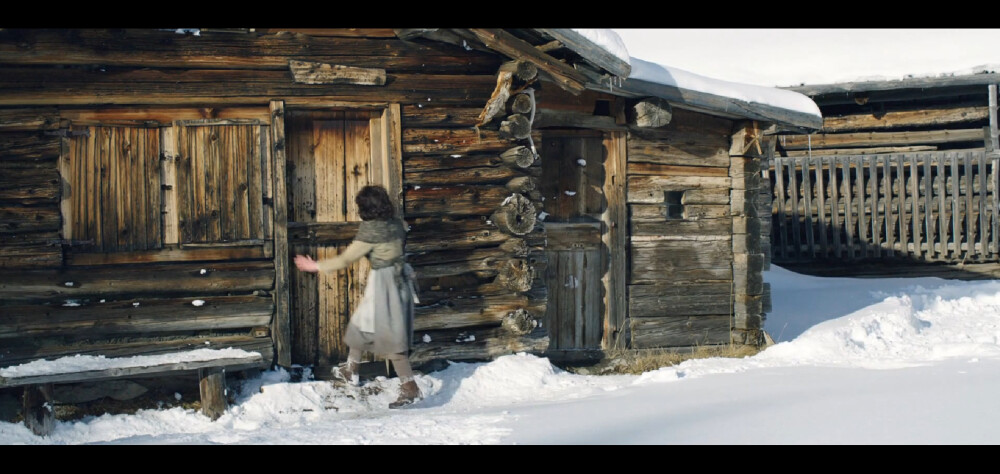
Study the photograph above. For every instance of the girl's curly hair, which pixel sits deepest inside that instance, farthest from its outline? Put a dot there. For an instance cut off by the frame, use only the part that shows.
(374, 203)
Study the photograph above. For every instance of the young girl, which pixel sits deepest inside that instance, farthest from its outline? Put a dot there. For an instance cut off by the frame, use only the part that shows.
(383, 321)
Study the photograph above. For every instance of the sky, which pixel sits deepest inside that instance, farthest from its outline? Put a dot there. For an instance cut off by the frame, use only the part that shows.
(792, 56)
(855, 362)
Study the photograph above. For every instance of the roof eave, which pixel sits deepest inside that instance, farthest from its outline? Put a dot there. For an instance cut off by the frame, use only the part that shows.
(720, 105)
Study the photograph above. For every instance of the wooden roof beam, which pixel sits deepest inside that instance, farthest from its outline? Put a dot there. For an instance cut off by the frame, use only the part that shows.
(589, 51)
(505, 43)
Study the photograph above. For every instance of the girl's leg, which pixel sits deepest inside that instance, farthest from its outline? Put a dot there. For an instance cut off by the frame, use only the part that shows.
(408, 390)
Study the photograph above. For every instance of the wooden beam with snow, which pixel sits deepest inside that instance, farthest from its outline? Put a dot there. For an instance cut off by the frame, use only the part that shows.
(589, 50)
(911, 83)
(720, 105)
(515, 48)
(306, 72)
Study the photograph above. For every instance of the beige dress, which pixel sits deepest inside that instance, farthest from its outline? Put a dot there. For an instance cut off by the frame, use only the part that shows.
(382, 323)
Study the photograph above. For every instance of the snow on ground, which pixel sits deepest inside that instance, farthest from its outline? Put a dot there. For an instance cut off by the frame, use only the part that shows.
(859, 361)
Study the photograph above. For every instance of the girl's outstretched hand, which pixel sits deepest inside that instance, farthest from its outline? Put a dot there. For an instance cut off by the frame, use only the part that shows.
(306, 263)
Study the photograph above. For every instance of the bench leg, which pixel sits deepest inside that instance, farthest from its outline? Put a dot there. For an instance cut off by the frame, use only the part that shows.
(37, 409)
(213, 392)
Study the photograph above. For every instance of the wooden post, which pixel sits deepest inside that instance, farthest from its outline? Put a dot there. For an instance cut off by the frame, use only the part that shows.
(942, 252)
(969, 236)
(613, 236)
(876, 231)
(859, 188)
(37, 409)
(281, 332)
(212, 387)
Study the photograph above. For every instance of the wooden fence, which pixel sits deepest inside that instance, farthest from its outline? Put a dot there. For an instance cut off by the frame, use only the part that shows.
(928, 206)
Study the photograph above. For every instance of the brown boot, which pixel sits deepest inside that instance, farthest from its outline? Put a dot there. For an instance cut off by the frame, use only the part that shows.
(347, 372)
(408, 393)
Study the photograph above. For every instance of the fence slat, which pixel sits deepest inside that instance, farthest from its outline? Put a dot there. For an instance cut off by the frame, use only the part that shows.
(861, 188)
(915, 214)
(821, 207)
(876, 223)
(834, 207)
(845, 168)
(779, 177)
(995, 180)
(793, 185)
(981, 235)
(807, 201)
(969, 236)
(942, 176)
(956, 215)
(888, 210)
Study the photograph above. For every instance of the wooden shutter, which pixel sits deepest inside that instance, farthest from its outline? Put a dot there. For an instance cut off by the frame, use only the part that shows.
(114, 182)
(219, 196)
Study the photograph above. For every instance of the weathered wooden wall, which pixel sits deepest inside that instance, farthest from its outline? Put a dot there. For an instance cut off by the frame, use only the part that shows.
(137, 298)
(681, 276)
(901, 177)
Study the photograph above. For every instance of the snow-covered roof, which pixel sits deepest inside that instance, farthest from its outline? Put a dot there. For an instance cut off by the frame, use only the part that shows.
(979, 75)
(704, 93)
(722, 97)
(606, 39)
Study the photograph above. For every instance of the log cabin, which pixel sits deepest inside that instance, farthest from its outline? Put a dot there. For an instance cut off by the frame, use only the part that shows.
(563, 198)
(900, 181)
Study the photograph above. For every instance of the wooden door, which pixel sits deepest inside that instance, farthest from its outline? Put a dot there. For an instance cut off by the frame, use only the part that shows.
(573, 179)
(329, 161)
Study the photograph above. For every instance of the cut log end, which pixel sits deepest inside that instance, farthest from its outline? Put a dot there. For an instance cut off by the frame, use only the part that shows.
(519, 156)
(516, 275)
(520, 104)
(522, 184)
(516, 127)
(650, 113)
(516, 216)
(523, 70)
(519, 322)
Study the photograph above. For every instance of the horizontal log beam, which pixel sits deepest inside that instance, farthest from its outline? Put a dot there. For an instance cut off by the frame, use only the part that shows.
(139, 316)
(471, 312)
(905, 118)
(872, 139)
(28, 119)
(321, 233)
(682, 331)
(166, 49)
(222, 87)
(690, 299)
(309, 72)
(15, 219)
(454, 200)
(437, 141)
(138, 280)
(29, 349)
(172, 253)
(474, 344)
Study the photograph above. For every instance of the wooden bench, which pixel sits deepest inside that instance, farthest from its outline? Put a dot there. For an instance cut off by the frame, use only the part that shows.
(210, 366)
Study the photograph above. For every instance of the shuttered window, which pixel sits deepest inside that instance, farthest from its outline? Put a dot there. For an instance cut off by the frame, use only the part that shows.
(219, 196)
(114, 186)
